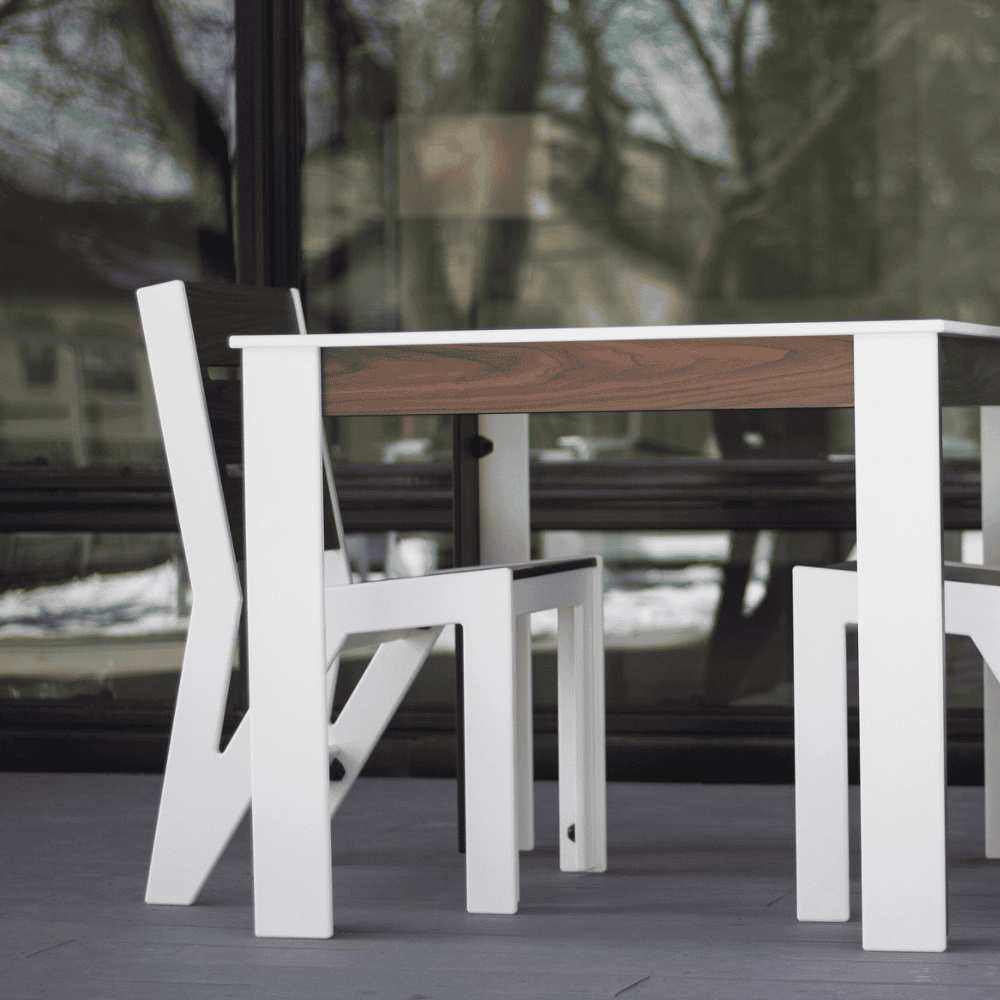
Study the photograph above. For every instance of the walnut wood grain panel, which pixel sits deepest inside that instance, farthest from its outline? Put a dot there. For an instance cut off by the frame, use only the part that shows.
(727, 373)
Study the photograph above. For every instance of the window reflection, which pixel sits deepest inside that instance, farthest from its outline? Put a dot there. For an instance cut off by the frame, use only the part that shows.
(591, 163)
(116, 143)
(116, 171)
(468, 164)
(661, 591)
(91, 615)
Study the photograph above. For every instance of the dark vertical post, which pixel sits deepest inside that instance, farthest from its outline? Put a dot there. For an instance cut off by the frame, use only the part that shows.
(270, 144)
(391, 289)
(270, 138)
(465, 520)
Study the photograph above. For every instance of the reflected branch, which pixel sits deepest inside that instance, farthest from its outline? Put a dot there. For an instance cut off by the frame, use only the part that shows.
(693, 35)
(13, 8)
(181, 113)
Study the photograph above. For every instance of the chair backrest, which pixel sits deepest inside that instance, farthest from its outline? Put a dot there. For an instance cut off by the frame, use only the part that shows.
(187, 327)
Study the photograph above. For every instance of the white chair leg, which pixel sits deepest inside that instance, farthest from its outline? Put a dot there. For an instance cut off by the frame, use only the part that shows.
(490, 757)
(525, 737)
(823, 602)
(973, 610)
(582, 799)
(569, 726)
(481, 602)
(594, 625)
(991, 759)
(205, 795)
(989, 437)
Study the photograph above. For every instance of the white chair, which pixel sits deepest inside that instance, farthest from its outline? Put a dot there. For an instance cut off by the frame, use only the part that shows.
(206, 792)
(825, 601)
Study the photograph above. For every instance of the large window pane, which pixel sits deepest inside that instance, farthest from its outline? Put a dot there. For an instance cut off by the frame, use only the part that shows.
(592, 163)
(116, 151)
(116, 136)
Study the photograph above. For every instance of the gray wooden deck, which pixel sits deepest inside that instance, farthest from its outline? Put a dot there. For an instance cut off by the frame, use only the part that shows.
(698, 903)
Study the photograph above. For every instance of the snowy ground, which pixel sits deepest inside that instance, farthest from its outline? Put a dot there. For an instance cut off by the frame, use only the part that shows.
(148, 602)
(651, 607)
(661, 592)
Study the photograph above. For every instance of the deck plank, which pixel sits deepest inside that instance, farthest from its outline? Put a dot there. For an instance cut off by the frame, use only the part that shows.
(698, 902)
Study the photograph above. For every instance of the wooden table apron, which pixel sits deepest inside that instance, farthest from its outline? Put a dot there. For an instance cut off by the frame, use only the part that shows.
(896, 375)
(695, 374)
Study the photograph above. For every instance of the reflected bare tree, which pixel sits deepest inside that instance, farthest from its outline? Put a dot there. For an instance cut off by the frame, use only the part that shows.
(112, 106)
(778, 96)
(184, 120)
(786, 89)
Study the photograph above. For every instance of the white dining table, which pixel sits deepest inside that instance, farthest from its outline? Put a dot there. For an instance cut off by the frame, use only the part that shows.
(896, 374)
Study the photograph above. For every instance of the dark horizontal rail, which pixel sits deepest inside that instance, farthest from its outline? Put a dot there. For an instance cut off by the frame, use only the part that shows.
(740, 745)
(663, 495)
(58, 500)
(660, 495)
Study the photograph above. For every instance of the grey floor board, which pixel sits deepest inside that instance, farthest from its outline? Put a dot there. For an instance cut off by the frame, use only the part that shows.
(698, 903)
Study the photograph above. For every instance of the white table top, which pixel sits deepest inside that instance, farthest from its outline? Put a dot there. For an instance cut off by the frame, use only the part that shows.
(690, 332)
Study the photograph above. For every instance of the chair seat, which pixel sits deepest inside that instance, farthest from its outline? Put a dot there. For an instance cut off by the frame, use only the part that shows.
(546, 567)
(525, 571)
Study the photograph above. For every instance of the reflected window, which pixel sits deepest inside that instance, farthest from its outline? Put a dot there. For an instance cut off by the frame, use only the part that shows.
(39, 364)
(116, 171)
(110, 369)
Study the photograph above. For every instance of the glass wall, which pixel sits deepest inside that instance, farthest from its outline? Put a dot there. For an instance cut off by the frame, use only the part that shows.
(487, 163)
(591, 163)
(116, 151)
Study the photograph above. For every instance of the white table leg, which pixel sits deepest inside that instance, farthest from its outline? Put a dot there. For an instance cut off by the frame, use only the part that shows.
(989, 438)
(505, 537)
(504, 498)
(901, 642)
(293, 878)
(524, 782)
(492, 884)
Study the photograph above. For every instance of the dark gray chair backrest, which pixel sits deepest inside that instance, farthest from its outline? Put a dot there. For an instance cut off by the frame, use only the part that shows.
(219, 312)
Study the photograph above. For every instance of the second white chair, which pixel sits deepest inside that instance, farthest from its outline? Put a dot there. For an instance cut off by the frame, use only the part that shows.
(825, 601)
